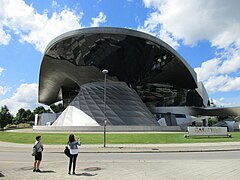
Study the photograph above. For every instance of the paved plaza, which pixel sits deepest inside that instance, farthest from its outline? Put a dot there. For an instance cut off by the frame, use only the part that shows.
(176, 161)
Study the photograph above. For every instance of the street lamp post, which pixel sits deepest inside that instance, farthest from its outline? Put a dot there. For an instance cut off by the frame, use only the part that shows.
(105, 71)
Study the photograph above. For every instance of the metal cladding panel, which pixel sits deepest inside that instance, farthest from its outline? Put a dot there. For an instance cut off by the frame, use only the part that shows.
(123, 105)
(134, 57)
(203, 93)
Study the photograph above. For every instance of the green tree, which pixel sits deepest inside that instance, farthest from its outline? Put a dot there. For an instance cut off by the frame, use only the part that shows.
(5, 116)
(57, 107)
(23, 116)
(19, 116)
(29, 116)
(212, 121)
(40, 110)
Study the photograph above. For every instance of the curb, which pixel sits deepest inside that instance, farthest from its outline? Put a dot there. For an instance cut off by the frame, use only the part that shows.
(129, 148)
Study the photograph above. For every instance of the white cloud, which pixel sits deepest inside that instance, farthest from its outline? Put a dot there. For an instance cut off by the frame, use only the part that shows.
(56, 25)
(191, 21)
(4, 37)
(1, 70)
(146, 30)
(208, 69)
(233, 84)
(153, 3)
(3, 90)
(215, 74)
(215, 83)
(38, 29)
(221, 74)
(232, 61)
(222, 102)
(55, 4)
(35, 28)
(101, 18)
(168, 38)
(151, 26)
(25, 97)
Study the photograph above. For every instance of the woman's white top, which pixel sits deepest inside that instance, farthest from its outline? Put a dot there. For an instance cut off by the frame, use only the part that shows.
(73, 146)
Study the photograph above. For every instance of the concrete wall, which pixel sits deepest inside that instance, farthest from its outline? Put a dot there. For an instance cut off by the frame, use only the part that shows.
(44, 118)
(108, 128)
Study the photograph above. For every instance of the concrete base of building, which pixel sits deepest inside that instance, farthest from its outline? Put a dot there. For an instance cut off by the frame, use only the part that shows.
(108, 128)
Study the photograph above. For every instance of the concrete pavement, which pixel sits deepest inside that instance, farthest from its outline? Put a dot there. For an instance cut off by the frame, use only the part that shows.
(121, 169)
(16, 162)
(55, 164)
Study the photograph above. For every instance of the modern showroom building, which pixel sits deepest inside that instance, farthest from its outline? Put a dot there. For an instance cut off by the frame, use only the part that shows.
(146, 79)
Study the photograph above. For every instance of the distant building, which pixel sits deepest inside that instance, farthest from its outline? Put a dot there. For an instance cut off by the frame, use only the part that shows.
(145, 77)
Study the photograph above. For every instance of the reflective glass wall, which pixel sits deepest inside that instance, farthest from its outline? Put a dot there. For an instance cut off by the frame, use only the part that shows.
(155, 94)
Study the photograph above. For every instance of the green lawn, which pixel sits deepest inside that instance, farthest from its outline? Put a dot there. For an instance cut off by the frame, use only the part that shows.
(131, 138)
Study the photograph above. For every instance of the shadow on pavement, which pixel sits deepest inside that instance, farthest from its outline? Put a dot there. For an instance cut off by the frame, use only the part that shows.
(89, 169)
(92, 169)
(85, 174)
(48, 171)
(1, 175)
(30, 168)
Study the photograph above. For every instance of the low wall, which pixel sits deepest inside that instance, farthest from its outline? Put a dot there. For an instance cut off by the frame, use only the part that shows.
(207, 131)
(109, 128)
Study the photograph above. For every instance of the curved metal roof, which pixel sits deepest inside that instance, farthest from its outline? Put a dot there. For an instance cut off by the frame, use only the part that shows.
(78, 57)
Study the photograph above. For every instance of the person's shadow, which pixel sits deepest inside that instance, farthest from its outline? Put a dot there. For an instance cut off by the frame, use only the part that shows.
(89, 169)
(85, 174)
(1, 175)
(47, 171)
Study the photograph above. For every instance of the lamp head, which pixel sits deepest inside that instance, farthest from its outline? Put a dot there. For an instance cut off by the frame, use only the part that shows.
(104, 71)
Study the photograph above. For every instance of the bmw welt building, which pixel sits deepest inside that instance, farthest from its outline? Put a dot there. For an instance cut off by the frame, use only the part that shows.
(143, 74)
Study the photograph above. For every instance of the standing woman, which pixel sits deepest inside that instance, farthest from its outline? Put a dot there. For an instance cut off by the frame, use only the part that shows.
(73, 146)
(38, 156)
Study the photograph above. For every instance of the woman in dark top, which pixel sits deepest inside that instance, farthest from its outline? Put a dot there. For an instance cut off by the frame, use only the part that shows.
(73, 146)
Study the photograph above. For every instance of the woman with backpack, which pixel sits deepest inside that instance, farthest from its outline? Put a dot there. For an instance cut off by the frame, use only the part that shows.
(73, 146)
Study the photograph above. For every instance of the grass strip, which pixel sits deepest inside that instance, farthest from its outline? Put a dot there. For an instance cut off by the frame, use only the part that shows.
(123, 138)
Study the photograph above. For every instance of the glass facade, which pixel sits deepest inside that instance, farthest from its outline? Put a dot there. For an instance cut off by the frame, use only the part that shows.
(156, 94)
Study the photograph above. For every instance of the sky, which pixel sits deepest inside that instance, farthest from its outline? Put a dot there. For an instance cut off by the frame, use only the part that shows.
(206, 33)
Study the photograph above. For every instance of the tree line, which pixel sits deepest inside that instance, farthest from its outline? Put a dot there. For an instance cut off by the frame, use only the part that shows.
(25, 116)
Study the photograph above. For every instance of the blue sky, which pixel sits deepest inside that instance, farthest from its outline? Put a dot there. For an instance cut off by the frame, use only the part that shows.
(205, 33)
